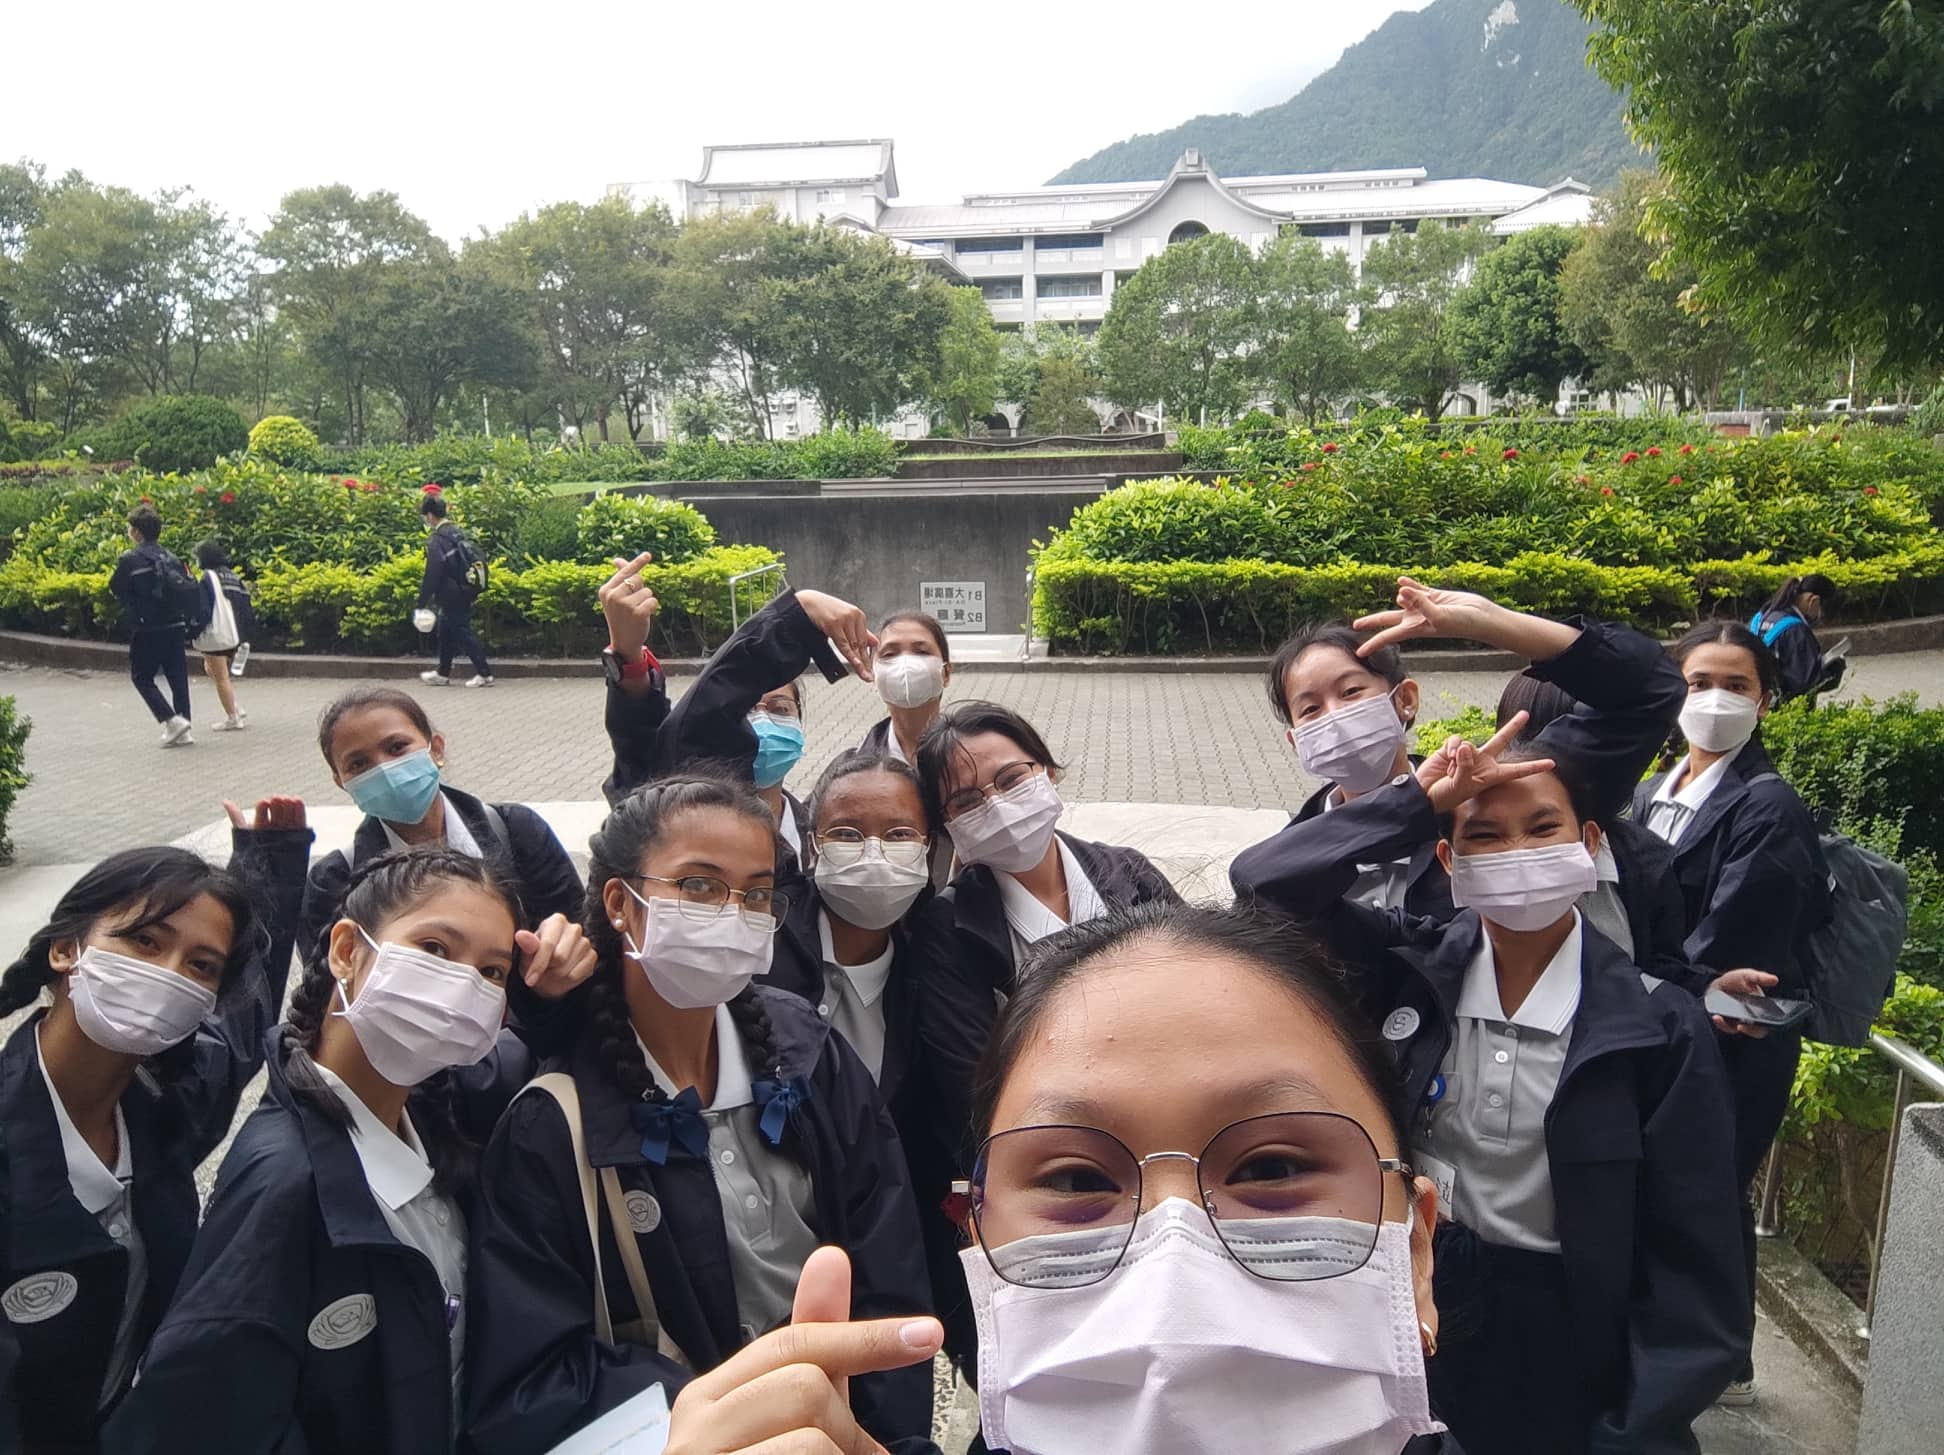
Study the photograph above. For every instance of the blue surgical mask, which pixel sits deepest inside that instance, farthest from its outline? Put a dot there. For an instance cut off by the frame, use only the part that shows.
(779, 744)
(399, 790)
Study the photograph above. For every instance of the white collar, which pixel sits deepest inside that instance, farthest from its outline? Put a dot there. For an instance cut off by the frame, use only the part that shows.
(1551, 1003)
(1033, 921)
(732, 1066)
(1697, 792)
(458, 833)
(1605, 867)
(787, 826)
(395, 1165)
(868, 979)
(891, 743)
(94, 1186)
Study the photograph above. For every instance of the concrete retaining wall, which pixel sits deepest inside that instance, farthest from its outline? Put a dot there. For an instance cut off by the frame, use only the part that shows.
(1903, 1396)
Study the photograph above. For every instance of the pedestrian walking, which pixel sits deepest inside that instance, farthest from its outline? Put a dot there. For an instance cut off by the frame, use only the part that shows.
(229, 622)
(163, 603)
(454, 579)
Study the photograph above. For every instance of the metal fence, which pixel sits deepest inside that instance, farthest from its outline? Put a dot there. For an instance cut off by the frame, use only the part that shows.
(1910, 1064)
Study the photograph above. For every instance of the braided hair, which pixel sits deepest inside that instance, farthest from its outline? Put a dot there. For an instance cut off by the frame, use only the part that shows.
(380, 889)
(616, 852)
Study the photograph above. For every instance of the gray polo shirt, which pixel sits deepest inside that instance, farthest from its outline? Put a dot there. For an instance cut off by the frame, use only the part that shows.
(1484, 1140)
(766, 1198)
(853, 999)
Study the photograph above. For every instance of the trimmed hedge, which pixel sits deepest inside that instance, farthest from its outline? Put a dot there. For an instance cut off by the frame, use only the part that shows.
(14, 776)
(1260, 444)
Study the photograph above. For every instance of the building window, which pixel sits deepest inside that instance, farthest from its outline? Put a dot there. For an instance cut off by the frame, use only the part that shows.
(745, 199)
(1069, 240)
(1187, 232)
(1376, 229)
(1327, 229)
(1086, 287)
(989, 245)
(1000, 289)
(830, 195)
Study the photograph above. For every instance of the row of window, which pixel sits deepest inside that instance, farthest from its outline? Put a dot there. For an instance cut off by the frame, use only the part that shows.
(1085, 285)
(1182, 233)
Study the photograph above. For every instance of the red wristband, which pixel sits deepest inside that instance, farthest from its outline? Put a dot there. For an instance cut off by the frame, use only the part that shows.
(636, 670)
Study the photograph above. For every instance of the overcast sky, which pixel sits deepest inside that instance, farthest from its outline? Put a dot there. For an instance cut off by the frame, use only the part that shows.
(475, 113)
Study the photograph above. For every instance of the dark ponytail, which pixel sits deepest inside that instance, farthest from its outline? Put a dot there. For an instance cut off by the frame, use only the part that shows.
(1792, 590)
(616, 852)
(379, 890)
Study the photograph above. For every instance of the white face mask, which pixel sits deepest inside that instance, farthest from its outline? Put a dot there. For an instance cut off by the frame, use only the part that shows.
(1719, 721)
(872, 884)
(1182, 1351)
(1523, 889)
(694, 963)
(1354, 747)
(1010, 832)
(417, 1015)
(134, 1008)
(909, 679)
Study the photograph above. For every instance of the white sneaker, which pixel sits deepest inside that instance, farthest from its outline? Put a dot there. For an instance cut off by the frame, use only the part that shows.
(1739, 1394)
(175, 731)
(234, 724)
(240, 660)
(435, 679)
(479, 682)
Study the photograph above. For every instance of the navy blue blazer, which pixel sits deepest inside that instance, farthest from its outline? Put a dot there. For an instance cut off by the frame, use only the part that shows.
(548, 881)
(245, 1360)
(1639, 1135)
(1751, 871)
(535, 1370)
(52, 1368)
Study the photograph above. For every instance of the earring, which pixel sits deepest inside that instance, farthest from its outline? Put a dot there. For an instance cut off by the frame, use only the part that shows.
(1428, 1338)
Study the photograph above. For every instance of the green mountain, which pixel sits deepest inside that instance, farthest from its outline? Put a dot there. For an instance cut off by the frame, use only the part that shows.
(1465, 88)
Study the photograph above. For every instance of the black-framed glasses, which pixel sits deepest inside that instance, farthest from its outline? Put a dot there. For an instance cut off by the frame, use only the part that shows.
(700, 896)
(1009, 779)
(1293, 1196)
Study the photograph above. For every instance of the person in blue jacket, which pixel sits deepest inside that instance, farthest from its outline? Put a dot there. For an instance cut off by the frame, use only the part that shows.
(1573, 1112)
(382, 750)
(719, 1133)
(1754, 883)
(324, 1307)
(162, 975)
(1343, 696)
(1787, 624)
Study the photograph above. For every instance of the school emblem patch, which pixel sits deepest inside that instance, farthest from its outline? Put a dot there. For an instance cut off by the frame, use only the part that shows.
(644, 1213)
(38, 1297)
(340, 1325)
(1402, 1025)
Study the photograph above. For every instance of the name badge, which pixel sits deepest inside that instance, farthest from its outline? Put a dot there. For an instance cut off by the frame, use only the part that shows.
(1443, 1176)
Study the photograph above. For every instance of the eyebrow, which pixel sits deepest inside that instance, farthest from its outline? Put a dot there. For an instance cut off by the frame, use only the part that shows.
(1271, 1094)
(690, 866)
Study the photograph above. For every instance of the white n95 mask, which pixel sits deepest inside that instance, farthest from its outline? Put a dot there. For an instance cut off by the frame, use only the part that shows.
(1354, 747)
(131, 1007)
(694, 962)
(417, 1015)
(1719, 721)
(1524, 889)
(909, 679)
(1010, 832)
(1182, 1351)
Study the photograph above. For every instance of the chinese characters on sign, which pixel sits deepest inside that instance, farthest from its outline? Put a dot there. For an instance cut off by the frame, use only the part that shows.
(960, 606)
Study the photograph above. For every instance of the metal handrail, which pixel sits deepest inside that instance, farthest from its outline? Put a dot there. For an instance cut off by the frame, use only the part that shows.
(1910, 1063)
(735, 617)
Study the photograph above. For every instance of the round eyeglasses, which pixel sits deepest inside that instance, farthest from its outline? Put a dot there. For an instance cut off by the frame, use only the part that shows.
(698, 896)
(1294, 1197)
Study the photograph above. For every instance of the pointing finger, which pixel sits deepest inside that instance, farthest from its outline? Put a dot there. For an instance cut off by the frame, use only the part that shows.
(1515, 725)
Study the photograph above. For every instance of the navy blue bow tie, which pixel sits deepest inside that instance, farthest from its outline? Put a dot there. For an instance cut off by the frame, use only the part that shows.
(664, 1122)
(778, 1099)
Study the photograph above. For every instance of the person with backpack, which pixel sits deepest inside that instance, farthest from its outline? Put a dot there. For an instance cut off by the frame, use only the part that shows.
(455, 577)
(225, 637)
(164, 605)
(1786, 624)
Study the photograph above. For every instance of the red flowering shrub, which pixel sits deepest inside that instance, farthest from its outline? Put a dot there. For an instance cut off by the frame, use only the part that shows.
(1630, 457)
(1510, 455)
(1330, 447)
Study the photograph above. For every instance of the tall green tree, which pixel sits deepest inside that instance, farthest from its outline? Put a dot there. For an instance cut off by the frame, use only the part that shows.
(599, 280)
(443, 323)
(1510, 330)
(969, 364)
(331, 249)
(1179, 331)
(1304, 347)
(730, 269)
(23, 192)
(1407, 322)
(861, 326)
(1632, 311)
(1800, 146)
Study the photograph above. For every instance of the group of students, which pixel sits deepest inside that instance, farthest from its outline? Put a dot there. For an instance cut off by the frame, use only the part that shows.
(1424, 1144)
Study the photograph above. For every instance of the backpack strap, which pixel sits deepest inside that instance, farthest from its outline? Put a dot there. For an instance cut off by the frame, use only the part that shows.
(561, 1088)
(497, 824)
(1776, 628)
(648, 1331)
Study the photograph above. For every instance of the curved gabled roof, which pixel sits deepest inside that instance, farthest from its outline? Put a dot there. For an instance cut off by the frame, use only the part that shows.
(1191, 167)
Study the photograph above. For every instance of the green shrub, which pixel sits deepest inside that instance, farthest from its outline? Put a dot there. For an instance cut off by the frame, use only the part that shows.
(282, 440)
(547, 530)
(1857, 763)
(1474, 724)
(626, 525)
(179, 432)
(27, 439)
(21, 506)
(14, 728)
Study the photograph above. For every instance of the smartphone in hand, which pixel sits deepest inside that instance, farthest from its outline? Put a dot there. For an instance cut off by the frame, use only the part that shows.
(1767, 1011)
